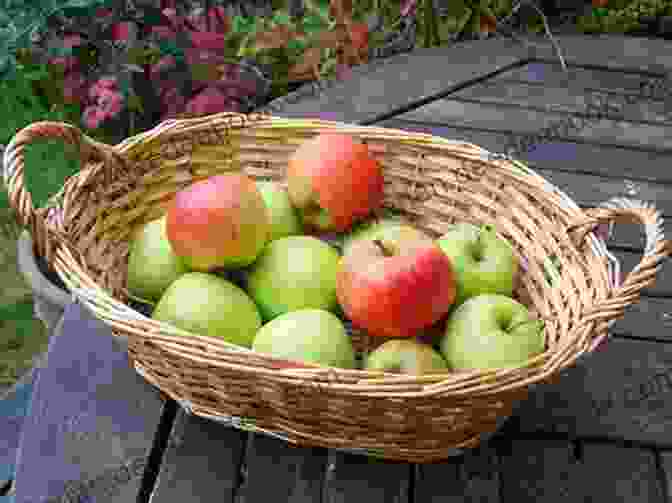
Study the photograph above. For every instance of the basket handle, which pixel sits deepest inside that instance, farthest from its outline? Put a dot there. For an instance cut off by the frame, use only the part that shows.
(13, 170)
(656, 251)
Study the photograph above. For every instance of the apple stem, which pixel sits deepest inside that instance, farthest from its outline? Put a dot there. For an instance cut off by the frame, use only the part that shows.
(384, 249)
(526, 322)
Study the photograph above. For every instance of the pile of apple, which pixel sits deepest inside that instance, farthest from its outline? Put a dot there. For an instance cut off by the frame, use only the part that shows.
(247, 261)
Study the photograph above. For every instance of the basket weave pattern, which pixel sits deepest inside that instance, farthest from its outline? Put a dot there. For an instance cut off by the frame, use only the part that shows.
(569, 278)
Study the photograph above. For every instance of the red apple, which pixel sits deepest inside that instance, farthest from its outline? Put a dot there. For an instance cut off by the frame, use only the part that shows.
(221, 222)
(395, 288)
(333, 181)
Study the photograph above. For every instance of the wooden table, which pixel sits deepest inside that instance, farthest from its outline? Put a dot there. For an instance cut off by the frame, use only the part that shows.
(603, 432)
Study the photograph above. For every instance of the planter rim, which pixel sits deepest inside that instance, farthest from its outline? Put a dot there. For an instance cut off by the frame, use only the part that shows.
(38, 282)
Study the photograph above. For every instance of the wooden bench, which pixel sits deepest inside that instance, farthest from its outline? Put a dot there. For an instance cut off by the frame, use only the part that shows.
(602, 432)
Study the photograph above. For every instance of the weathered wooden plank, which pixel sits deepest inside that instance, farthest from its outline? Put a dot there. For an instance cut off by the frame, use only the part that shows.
(559, 155)
(665, 460)
(576, 78)
(622, 390)
(590, 191)
(614, 473)
(663, 285)
(384, 86)
(526, 122)
(353, 477)
(603, 51)
(472, 477)
(90, 413)
(545, 470)
(540, 470)
(201, 462)
(608, 51)
(277, 471)
(651, 313)
(629, 106)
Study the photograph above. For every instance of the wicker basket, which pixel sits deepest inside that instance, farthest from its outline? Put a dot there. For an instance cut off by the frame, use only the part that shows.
(569, 278)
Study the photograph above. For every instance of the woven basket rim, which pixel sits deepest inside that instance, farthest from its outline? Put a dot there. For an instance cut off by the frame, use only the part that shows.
(121, 317)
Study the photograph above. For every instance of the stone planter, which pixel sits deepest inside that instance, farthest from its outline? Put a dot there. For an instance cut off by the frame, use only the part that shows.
(49, 294)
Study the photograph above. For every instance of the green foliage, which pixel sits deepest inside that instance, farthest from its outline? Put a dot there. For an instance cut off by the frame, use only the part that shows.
(47, 163)
(21, 338)
(19, 19)
(622, 16)
(460, 17)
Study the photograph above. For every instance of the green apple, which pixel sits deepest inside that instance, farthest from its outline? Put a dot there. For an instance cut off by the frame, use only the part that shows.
(489, 332)
(283, 217)
(206, 304)
(406, 356)
(296, 272)
(152, 264)
(307, 335)
(482, 261)
(393, 229)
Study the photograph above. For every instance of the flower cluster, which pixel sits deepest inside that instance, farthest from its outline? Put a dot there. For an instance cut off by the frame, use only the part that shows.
(105, 102)
(126, 68)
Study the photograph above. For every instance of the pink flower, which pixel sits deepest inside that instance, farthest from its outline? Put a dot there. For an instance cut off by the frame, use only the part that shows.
(92, 117)
(72, 40)
(122, 31)
(111, 102)
(105, 102)
(102, 85)
(207, 40)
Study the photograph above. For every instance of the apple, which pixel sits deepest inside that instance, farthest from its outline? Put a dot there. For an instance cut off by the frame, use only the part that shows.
(296, 272)
(406, 356)
(386, 228)
(206, 304)
(152, 264)
(333, 181)
(220, 222)
(491, 331)
(307, 335)
(284, 221)
(395, 288)
(482, 261)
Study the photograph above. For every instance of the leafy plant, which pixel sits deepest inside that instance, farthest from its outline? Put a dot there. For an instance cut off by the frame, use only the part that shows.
(125, 67)
(459, 19)
(617, 16)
